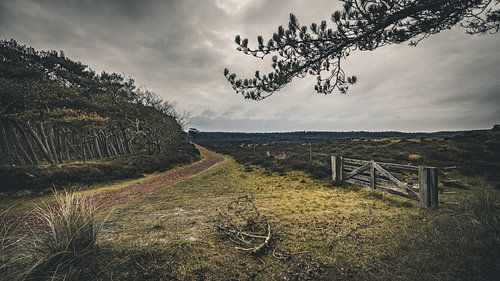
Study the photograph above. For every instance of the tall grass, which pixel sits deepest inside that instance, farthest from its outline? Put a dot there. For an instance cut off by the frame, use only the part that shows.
(485, 206)
(453, 243)
(67, 232)
(8, 241)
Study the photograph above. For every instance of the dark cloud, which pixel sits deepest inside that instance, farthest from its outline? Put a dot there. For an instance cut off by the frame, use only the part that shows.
(178, 48)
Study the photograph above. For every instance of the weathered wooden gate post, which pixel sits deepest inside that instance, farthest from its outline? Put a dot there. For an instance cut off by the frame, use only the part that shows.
(337, 169)
(428, 178)
(372, 174)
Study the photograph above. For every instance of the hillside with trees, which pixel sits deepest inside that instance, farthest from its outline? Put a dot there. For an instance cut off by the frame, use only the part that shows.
(54, 110)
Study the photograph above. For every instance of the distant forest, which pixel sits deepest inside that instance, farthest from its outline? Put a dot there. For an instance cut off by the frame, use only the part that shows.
(312, 135)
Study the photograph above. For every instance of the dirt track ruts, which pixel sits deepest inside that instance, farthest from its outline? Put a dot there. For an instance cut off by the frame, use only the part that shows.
(133, 192)
(129, 193)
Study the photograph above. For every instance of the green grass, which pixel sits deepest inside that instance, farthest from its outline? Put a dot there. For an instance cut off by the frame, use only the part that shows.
(24, 199)
(28, 180)
(330, 233)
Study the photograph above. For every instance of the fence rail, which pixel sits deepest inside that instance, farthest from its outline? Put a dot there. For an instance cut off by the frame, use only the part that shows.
(414, 182)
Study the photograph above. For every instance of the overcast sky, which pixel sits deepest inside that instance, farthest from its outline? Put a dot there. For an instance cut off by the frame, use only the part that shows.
(179, 48)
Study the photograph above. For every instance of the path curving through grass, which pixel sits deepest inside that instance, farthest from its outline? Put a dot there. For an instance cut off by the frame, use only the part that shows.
(130, 193)
(111, 195)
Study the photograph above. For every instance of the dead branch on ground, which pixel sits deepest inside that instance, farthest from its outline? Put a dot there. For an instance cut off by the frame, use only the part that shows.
(243, 225)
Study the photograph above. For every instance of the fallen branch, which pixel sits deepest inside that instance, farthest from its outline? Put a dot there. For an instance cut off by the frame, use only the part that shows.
(243, 225)
(263, 245)
(281, 255)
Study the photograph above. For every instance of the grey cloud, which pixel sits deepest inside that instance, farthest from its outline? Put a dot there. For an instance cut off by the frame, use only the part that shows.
(208, 113)
(178, 48)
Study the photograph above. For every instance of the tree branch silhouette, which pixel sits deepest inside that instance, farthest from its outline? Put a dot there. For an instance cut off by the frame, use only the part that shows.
(362, 25)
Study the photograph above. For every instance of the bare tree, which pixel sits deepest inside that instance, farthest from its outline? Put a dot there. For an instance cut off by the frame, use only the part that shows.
(182, 117)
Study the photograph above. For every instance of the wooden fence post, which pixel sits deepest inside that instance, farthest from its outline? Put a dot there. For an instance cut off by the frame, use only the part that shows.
(332, 159)
(428, 178)
(372, 174)
(310, 154)
(337, 169)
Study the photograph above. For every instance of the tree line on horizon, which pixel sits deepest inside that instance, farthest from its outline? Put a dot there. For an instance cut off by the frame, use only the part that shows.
(315, 135)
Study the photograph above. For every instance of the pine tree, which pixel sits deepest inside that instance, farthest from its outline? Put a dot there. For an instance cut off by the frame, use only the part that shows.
(362, 25)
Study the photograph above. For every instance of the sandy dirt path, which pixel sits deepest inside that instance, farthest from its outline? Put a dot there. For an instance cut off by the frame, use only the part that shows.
(136, 191)
(132, 192)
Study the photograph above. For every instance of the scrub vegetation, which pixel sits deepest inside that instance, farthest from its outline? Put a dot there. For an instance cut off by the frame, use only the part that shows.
(319, 232)
(473, 153)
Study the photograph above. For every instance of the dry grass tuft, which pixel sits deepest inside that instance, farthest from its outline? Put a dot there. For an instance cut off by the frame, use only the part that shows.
(68, 231)
(5, 239)
(8, 242)
(485, 207)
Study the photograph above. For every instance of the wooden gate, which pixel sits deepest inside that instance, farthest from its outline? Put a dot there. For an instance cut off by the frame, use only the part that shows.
(414, 182)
